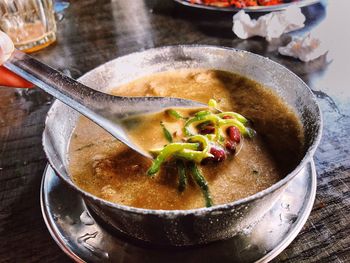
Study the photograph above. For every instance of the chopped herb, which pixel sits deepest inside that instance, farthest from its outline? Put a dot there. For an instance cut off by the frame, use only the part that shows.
(255, 172)
(175, 114)
(250, 132)
(85, 147)
(166, 133)
(93, 144)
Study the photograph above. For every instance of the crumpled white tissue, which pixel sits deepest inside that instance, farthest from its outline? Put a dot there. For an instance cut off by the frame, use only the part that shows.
(270, 26)
(305, 48)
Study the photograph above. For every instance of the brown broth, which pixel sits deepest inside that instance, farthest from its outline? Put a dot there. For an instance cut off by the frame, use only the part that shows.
(101, 165)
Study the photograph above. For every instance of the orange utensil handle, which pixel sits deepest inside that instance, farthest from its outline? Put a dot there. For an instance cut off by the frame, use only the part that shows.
(10, 79)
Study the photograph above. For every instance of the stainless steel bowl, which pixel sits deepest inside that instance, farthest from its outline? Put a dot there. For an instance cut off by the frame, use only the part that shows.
(197, 226)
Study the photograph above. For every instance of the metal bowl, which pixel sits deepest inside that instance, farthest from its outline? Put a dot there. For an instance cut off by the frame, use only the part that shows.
(196, 226)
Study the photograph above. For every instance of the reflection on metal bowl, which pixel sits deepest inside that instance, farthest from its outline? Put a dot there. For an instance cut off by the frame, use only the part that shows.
(197, 226)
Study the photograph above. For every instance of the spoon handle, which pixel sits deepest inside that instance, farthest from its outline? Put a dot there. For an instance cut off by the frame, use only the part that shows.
(83, 99)
(50, 80)
(89, 102)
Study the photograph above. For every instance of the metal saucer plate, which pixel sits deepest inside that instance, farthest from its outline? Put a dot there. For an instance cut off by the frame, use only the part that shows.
(300, 3)
(85, 240)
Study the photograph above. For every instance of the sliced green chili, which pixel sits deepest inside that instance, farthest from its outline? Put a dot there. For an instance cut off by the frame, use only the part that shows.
(197, 155)
(202, 183)
(198, 119)
(203, 140)
(235, 115)
(202, 113)
(167, 152)
(203, 125)
(212, 103)
(166, 133)
(234, 122)
(211, 137)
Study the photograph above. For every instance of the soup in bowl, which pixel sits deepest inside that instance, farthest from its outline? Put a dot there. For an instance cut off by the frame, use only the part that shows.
(189, 201)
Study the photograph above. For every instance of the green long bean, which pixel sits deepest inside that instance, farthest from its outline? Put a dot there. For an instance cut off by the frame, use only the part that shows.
(202, 183)
(166, 133)
(181, 170)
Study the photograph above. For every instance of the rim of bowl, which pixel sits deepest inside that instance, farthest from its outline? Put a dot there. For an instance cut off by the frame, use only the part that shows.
(203, 210)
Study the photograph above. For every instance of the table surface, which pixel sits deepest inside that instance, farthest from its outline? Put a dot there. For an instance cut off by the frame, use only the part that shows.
(93, 32)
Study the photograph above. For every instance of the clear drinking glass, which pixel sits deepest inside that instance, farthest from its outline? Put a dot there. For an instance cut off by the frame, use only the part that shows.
(30, 23)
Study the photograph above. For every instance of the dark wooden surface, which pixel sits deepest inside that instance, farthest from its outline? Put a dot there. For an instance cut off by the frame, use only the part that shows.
(94, 32)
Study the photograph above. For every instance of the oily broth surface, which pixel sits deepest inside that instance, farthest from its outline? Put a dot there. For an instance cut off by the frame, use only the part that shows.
(108, 169)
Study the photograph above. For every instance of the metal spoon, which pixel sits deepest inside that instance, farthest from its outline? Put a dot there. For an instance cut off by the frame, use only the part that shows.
(105, 110)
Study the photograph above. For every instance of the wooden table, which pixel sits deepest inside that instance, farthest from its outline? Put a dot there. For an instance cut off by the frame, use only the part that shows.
(94, 32)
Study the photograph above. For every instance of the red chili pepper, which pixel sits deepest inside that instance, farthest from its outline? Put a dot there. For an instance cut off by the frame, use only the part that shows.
(10, 79)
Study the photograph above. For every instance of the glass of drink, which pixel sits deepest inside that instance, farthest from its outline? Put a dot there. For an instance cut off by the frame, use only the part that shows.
(30, 23)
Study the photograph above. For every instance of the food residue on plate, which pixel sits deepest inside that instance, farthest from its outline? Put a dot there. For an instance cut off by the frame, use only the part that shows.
(238, 3)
